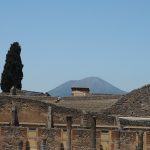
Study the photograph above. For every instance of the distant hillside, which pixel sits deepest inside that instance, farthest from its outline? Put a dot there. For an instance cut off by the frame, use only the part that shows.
(135, 103)
(95, 84)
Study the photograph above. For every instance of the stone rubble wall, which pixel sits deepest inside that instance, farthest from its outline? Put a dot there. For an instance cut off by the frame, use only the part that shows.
(32, 111)
(11, 136)
(128, 140)
(80, 139)
(52, 137)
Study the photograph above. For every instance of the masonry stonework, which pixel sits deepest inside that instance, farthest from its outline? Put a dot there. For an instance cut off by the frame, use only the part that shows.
(45, 126)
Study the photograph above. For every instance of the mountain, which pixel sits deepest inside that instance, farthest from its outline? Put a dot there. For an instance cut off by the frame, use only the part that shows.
(136, 103)
(95, 84)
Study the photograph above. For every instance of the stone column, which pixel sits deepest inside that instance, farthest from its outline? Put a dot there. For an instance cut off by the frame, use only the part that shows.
(84, 120)
(15, 121)
(43, 145)
(93, 132)
(69, 126)
(140, 140)
(50, 117)
(119, 132)
(118, 141)
(24, 145)
(20, 145)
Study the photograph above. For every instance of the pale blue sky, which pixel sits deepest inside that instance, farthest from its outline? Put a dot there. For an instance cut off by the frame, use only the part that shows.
(72, 39)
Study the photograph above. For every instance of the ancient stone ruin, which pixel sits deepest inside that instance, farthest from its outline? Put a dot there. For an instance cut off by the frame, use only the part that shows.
(39, 123)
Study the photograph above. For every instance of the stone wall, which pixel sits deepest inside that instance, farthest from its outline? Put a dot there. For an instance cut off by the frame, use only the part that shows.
(81, 139)
(128, 140)
(32, 111)
(10, 137)
(115, 139)
(52, 137)
(56, 138)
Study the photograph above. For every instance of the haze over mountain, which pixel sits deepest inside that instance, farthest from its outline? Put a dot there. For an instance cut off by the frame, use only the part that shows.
(95, 84)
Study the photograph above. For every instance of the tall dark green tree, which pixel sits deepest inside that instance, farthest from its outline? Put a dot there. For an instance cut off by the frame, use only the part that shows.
(12, 73)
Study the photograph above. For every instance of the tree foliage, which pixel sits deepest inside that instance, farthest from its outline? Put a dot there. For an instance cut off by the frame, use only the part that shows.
(12, 73)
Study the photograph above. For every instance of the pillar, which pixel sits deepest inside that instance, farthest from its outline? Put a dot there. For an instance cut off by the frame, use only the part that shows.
(24, 145)
(43, 145)
(69, 126)
(50, 119)
(84, 120)
(140, 140)
(20, 145)
(93, 132)
(14, 112)
(118, 141)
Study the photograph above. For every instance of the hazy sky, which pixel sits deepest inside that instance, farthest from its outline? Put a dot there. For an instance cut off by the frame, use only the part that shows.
(71, 39)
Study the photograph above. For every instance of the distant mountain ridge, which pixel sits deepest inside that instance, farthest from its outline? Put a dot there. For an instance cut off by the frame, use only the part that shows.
(95, 84)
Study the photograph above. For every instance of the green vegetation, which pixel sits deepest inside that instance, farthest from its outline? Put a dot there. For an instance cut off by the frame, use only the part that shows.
(12, 73)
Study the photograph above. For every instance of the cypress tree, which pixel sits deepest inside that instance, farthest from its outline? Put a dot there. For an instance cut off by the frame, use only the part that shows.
(12, 73)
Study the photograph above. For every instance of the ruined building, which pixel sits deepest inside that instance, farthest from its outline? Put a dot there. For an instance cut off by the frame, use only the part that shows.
(103, 122)
(80, 91)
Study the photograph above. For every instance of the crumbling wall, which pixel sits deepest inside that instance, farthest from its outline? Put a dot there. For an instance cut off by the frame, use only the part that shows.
(128, 140)
(81, 139)
(52, 137)
(60, 113)
(115, 137)
(10, 137)
(32, 111)
(103, 119)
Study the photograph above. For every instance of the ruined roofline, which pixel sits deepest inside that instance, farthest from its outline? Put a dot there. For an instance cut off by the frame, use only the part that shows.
(97, 95)
(6, 99)
(60, 109)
